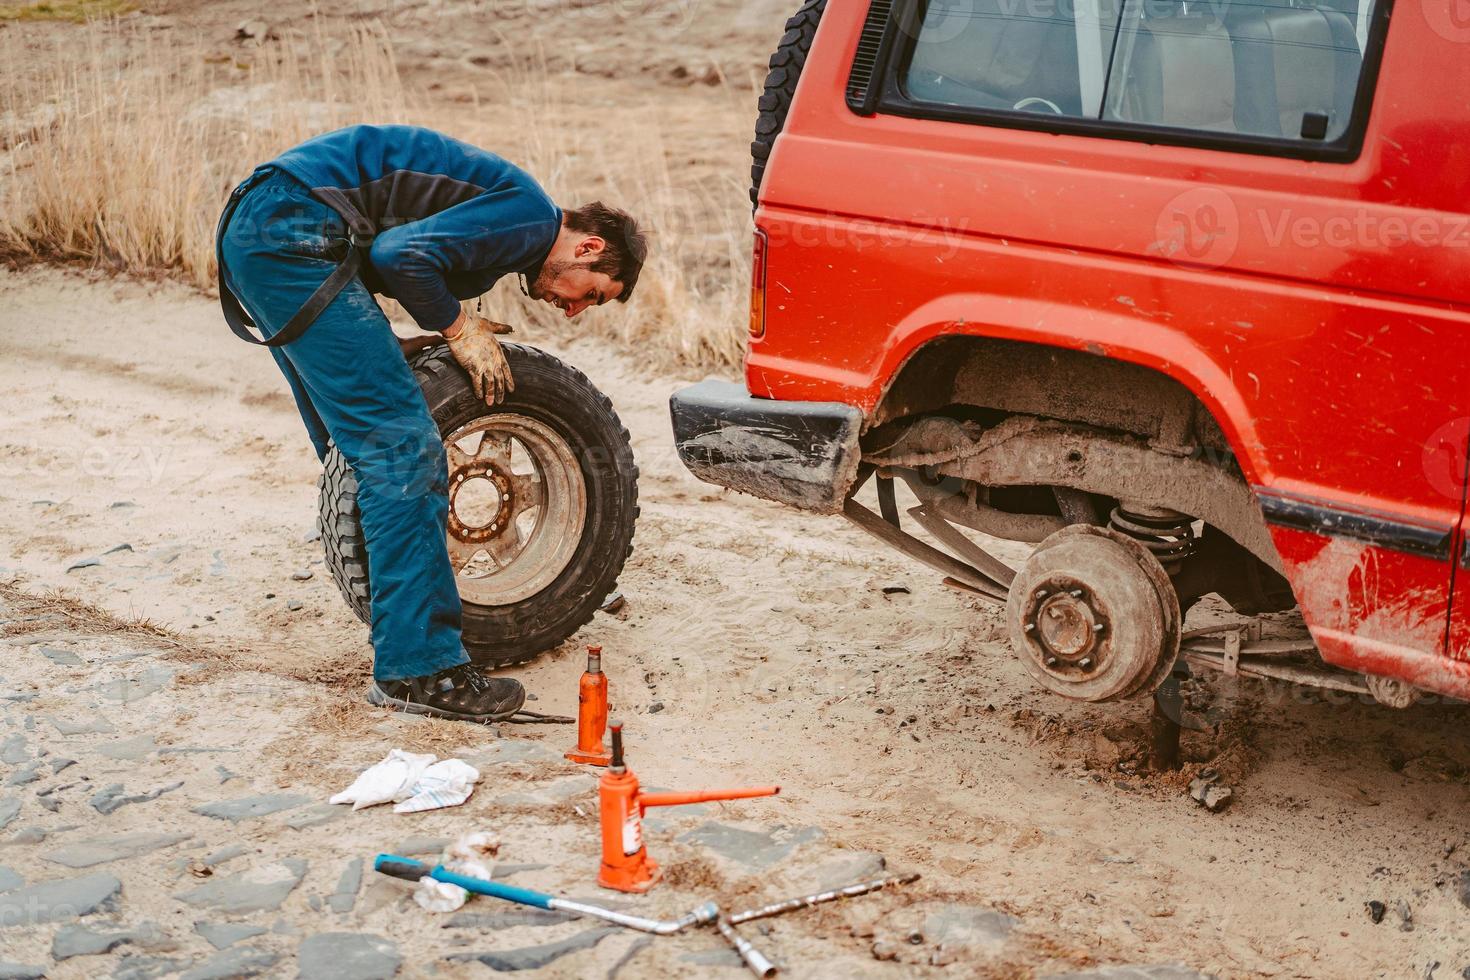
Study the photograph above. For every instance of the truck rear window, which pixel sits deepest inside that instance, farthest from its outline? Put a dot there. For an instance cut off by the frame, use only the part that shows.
(1262, 68)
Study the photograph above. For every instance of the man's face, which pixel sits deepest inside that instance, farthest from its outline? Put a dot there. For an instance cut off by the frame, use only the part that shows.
(571, 287)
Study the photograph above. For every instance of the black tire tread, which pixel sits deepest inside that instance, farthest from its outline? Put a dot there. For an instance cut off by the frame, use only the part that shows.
(346, 556)
(783, 71)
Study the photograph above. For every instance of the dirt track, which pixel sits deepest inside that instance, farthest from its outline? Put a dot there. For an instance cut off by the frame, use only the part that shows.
(898, 724)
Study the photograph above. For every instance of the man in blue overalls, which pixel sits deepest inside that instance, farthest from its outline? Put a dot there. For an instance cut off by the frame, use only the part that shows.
(429, 221)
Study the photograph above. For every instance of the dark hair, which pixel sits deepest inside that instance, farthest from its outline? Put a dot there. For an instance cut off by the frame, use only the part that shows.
(627, 246)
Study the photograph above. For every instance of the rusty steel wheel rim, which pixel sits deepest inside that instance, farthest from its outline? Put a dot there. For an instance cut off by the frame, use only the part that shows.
(517, 506)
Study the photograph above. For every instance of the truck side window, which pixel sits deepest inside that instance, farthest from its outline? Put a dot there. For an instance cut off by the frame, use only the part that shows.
(1277, 69)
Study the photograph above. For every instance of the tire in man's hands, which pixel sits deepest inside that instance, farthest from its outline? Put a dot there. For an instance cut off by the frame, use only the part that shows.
(543, 502)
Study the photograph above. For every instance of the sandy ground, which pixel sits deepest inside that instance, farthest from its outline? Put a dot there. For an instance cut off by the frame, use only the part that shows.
(137, 432)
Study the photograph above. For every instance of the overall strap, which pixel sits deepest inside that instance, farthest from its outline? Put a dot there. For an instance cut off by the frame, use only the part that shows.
(236, 316)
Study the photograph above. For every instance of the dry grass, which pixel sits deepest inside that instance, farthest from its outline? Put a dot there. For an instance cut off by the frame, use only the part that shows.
(118, 150)
(76, 11)
(53, 610)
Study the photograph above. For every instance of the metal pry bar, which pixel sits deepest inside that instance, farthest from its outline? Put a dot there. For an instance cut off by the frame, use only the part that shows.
(411, 870)
(753, 957)
(818, 898)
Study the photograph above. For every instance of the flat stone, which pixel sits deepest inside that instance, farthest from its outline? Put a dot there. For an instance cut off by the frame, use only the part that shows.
(500, 871)
(850, 869)
(111, 798)
(715, 958)
(78, 940)
(129, 749)
(61, 658)
(250, 807)
(232, 964)
(970, 926)
(14, 750)
(96, 725)
(752, 849)
(555, 792)
(19, 971)
(58, 900)
(514, 750)
(1462, 888)
(23, 777)
(1168, 971)
(59, 763)
(261, 889)
(100, 850)
(84, 563)
(130, 690)
(345, 896)
(347, 956)
(509, 920)
(9, 810)
(314, 816)
(224, 854)
(415, 846)
(535, 957)
(9, 880)
(147, 967)
(225, 934)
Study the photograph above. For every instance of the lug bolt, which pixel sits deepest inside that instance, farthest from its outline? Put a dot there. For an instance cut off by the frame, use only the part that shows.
(1051, 661)
(1075, 593)
(1041, 593)
(1097, 627)
(1085, 663)
(1029, 628)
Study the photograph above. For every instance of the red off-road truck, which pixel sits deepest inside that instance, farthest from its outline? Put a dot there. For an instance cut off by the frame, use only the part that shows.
(1175, 291)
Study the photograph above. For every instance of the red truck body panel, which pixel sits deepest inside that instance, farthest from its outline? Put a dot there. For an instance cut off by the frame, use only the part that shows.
(1317, 309)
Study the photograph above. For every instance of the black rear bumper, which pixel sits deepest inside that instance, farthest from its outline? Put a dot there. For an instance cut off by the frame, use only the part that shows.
(804, 454)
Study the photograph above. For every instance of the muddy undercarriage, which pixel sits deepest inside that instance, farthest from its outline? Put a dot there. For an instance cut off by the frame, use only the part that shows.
(1118, 475)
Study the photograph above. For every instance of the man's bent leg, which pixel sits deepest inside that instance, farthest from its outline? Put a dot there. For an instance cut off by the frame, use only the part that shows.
(352, 374)
(360, 385)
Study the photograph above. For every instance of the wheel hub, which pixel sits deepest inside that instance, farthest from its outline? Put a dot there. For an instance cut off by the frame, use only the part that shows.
(1067, 626)
(463, 513)
(517, 507)
(1093, 615)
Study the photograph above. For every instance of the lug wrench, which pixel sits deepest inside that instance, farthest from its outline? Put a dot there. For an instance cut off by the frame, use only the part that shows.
(411, 870)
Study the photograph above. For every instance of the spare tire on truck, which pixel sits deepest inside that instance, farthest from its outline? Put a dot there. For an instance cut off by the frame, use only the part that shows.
(543, 497)
(783, 71)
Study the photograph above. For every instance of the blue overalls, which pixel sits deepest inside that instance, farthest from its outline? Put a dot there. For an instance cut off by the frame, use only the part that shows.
(422, 218)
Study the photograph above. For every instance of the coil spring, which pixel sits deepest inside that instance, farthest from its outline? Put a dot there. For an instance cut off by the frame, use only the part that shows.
(1171, 539)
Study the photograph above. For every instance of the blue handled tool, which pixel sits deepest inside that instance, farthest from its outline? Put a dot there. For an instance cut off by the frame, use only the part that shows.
(411, 870)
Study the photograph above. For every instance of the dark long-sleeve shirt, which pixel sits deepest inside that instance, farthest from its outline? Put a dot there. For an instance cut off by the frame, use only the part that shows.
(450, 218)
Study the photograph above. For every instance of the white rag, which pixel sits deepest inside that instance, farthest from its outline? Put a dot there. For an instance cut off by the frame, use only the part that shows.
(414, 782)
(472, 855)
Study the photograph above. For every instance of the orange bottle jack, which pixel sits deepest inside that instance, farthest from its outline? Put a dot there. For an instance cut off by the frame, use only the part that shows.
(591, 713)
(626, 865)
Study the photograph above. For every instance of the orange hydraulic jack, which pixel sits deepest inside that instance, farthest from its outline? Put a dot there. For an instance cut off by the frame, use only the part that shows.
(591, 713)
(626, 865)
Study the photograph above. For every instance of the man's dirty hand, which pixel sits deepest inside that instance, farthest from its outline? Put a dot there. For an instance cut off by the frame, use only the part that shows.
(472, 341)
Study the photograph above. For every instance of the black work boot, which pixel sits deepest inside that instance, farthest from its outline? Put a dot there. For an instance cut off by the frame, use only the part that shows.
(460, 693)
